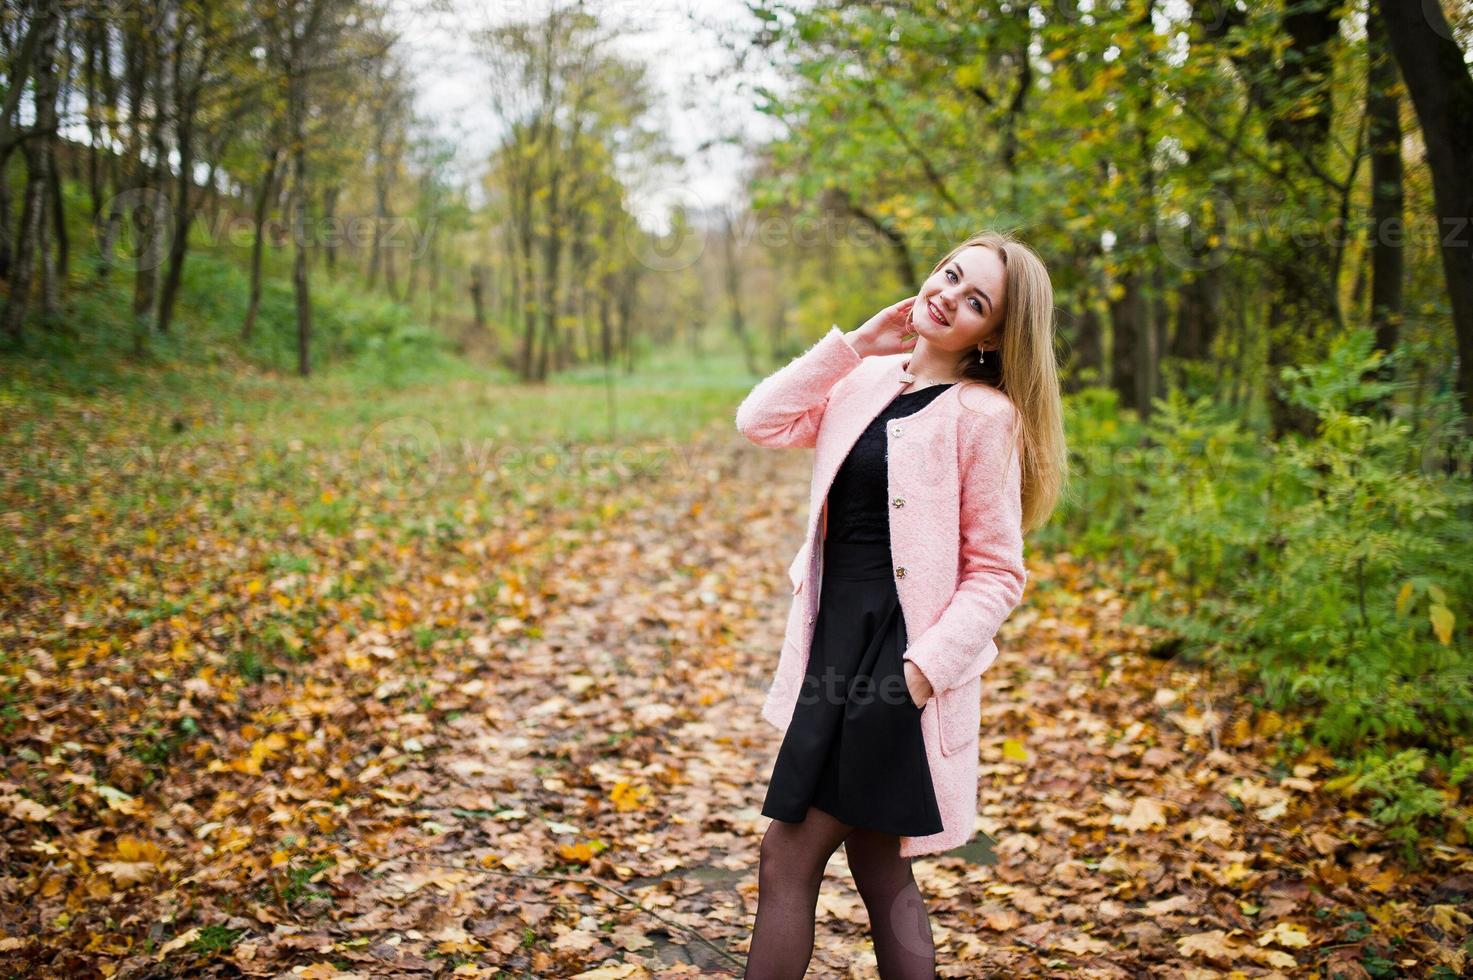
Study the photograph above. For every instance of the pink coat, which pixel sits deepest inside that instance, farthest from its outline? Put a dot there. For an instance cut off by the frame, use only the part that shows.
(956, 540)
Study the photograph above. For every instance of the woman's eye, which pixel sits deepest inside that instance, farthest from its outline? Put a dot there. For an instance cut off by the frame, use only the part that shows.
(977, 306)
(950, 275)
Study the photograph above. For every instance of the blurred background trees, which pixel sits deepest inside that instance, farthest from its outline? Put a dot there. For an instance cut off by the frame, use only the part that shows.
(256, 128)
(1222, 188)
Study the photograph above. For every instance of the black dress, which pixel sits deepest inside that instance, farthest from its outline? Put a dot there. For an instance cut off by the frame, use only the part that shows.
(854, 747)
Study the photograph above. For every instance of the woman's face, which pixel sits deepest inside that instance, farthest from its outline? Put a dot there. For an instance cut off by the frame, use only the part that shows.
(961, 305)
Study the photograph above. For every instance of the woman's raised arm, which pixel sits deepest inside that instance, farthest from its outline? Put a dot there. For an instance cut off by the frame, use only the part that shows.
(786, 407)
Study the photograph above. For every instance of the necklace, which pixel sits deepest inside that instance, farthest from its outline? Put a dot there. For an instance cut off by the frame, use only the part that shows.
(925, 383)
(911, 379)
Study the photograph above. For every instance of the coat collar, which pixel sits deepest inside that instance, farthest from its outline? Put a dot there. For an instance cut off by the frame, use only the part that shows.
(898, 370)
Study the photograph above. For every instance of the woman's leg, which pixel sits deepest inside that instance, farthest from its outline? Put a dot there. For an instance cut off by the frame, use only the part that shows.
(898, 922)
(793, 858)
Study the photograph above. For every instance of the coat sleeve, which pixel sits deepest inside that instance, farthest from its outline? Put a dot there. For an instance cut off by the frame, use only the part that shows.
(992, 575)
(785, 408)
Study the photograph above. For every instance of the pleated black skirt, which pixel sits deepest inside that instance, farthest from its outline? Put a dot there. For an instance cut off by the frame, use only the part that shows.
(854, 747)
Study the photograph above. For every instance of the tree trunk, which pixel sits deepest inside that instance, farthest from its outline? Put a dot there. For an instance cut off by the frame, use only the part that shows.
(391, 275)
(211, 205)
(1199, 299)
(33, 211)
(125, 168)
(1441, 90)
(1383, 109)
(1088, 337)
(94, 40)
(525, 287)
(628, 292)
(53, 264)
(329, 215)
(478, 307)
(1140, 305)
(5, 256)
(434, 275)
(297, 98)
(25, 256)
(44, 21)
(1306, 302)
(777, 325)
(1198, 313)
(263, 205)
(380, 200)
(109, 89)
(734, 297)
(50, 207)
(184, 201)
(411, 280)
(1127, 329)
(145, 279)
(58, 214)
(552, 249)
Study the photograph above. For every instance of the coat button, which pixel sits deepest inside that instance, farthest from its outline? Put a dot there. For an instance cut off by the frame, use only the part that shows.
(897, 430)
(900, 572)
(899, 501)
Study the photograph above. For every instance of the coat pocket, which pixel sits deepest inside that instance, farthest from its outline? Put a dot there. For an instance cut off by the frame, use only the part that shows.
(959, 715)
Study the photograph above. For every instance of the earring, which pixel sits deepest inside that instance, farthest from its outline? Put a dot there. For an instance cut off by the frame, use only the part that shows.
(983, 358)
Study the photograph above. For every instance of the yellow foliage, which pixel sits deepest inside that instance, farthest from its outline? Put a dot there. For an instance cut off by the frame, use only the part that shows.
(627, 796)
(1442, 622)
(581, 852)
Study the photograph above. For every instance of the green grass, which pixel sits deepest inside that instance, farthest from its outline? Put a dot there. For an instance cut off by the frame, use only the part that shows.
(215, 939)
(297, 884)
(373, 359)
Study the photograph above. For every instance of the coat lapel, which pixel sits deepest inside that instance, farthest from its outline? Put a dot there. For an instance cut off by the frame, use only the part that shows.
(876, 385)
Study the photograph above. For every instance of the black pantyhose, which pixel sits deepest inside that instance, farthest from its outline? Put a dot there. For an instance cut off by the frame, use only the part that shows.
(793, 859)
(897, 913)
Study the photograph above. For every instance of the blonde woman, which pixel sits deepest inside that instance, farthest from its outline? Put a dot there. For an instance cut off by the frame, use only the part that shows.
(938, 437)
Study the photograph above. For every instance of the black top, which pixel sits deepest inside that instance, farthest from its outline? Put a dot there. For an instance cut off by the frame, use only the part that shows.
(858, 510)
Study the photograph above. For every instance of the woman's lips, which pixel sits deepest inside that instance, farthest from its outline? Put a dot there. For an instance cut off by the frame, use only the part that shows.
(935, 313)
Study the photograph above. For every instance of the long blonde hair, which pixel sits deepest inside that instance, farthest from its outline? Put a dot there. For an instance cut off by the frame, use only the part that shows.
(1026, 370)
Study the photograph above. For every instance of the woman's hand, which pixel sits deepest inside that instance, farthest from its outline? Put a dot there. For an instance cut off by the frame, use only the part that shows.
(916, 683)
(887, 332)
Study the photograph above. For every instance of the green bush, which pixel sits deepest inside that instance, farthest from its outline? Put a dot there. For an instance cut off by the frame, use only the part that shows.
(1332, 572)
